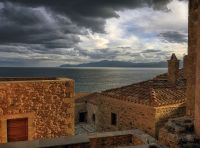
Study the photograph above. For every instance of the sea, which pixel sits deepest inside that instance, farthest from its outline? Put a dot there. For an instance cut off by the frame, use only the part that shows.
(87, 79)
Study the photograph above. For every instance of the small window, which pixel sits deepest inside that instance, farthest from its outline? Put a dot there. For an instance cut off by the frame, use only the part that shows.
(93, 117)
(113, 119)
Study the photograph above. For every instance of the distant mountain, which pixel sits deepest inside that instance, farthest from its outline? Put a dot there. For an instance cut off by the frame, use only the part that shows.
(107, 63)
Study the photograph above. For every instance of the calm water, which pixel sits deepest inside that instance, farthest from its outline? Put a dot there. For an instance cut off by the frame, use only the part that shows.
(88, 79)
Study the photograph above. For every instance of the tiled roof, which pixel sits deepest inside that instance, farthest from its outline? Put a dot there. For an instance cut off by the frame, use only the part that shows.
(169, 96)
(157, 92)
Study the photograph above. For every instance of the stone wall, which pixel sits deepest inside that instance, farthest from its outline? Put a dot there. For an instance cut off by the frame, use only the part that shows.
(115, 141)
(197, 97)
(185, 69)
(48, 105)
(193, 62)
(87, 107)
(191, 58)
(92, 110)
(95, 140)
(179, 133)
(170, 140)
(129, 116)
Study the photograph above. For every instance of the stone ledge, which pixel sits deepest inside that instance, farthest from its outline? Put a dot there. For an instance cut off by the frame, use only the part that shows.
(136, 132)
(32, 79)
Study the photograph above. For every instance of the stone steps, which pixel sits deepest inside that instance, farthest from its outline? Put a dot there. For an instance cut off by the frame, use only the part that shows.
(85, 128)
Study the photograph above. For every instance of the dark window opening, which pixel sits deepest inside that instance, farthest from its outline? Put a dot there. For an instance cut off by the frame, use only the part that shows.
(113, 119)
(83, 117)
(68, 95)
(93, 117)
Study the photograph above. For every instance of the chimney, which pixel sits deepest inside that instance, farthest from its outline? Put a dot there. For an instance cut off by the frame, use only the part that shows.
(173, 69)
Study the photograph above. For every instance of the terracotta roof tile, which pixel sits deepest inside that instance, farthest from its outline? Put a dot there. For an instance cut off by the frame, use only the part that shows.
(153, 92)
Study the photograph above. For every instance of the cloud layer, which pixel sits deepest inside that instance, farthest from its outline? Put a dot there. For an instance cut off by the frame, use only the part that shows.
(49, 33)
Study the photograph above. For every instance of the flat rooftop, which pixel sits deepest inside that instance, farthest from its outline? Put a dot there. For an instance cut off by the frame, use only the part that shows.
(6, 79)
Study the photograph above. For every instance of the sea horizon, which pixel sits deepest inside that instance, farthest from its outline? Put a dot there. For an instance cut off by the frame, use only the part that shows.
(88, 79)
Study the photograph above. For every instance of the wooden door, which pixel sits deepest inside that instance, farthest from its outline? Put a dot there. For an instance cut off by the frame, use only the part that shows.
(17, 130)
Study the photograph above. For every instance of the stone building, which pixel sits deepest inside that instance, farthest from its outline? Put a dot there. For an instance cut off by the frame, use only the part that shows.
(36, 108)
(197, 89)
(185, 132)
(145, 105)
(193, 64)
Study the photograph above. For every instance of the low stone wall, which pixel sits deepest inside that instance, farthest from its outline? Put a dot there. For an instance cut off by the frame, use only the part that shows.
(48, 105)
(166, 112)
(120, 138)
(96, 140)
(179, 133)
(114, 141)
(170, 140)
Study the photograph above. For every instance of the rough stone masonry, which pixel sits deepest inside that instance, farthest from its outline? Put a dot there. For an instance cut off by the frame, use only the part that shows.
(197, 94)
(47, 103)
(193, 64)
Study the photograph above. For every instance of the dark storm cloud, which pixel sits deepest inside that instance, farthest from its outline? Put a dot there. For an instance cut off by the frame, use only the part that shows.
(52, 27)
(35, 26)
(174, 37)
(14, 49)
(27, 21)
(91, 13)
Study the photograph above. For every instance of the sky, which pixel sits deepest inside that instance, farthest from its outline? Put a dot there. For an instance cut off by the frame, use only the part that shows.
(55, 32)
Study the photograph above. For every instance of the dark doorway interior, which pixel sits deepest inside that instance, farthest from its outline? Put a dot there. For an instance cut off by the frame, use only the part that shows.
(93, 118)
(83, 117)
(113, 119)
